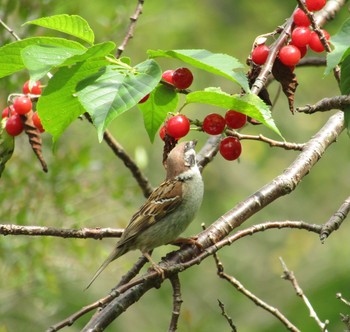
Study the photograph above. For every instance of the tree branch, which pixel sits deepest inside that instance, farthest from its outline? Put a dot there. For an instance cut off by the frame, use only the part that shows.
(289, 275)
(83, 233)
(336, 220)
(326, 104)
(130, 32)
(239, 286)
(177, 301)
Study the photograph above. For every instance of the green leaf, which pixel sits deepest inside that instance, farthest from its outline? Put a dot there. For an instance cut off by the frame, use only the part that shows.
(39, 59)
(73, 25)
(160, 102)
(10, 54)
(113, 91)
(216, 63)
(248, 104)
(341, 43)
(345, 89)
(58, 106)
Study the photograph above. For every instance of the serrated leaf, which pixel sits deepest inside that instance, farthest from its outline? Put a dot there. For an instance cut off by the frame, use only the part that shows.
(73, 25)
(7, 145)
(155, 110)
(113, 91)
(40, 59)
(248, 104)
(344, 86)
(97, 51)
(216, 63)
(340, 42)
(10, 54)
(58, 106)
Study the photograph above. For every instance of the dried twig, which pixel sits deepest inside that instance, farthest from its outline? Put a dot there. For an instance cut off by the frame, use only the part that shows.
(326, 104)
(289, 275)
(228, 318)
(11, 31)
(83, 233)
(336, 220)
(177, 301)
(240, 287)
(271, 142)
(130, 32)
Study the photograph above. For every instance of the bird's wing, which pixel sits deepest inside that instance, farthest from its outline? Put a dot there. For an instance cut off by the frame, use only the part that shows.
(161, 202)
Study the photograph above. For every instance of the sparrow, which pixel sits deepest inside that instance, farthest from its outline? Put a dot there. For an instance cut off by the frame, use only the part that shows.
(168, 210)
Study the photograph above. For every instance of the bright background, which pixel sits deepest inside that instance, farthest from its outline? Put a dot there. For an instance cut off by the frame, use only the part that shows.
(42, 279)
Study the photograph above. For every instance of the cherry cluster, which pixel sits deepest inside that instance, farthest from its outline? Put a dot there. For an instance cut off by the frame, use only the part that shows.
(301, 38)
(20, 106)
(178, 125)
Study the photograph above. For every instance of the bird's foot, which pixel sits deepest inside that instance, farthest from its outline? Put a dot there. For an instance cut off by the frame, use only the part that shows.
(183, 241)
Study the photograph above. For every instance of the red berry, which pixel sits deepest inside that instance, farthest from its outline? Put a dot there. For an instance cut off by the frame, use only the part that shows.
(314, 5)
(182, 78)
(22, 105)
(214, 124)
(35, 90)
(301, 36)
(37, 122)
(162, 132)
(289, 55)
(178, 126)
(6, 111)
(168, 76)
(230, 148)
(315, 42)
(14, 125)
(260, 54)
(235, 120)
(144, 99)
(300, 18)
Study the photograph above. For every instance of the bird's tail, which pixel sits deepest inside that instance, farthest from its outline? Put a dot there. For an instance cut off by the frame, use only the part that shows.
(117, 252)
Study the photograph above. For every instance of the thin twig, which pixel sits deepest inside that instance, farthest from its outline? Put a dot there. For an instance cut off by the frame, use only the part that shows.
(326, 104)
(340, 297)
(240, 287)
(271, 142)
(177, 301)
(336, 220)
(227, 317)
(130, 32)
(11, 31)
(289, 275)
(83, 233)
(312, 61)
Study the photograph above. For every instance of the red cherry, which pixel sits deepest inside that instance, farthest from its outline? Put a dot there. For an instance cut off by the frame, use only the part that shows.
(35, 90)
(14, 125)
(6, 111)
(168, 76)
(22, 105)
(314, 5)
(315, 42)
(162, 132)
(214, 124)
(289, 55)
(144, 99)
(230, 148)
(260, 54)
(235, 120)
(300, 18)
(182, 78)
(301, 36)
(178, 126)
(37, 122)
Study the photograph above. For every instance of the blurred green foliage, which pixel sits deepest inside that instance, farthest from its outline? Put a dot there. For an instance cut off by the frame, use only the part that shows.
(87, 186)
